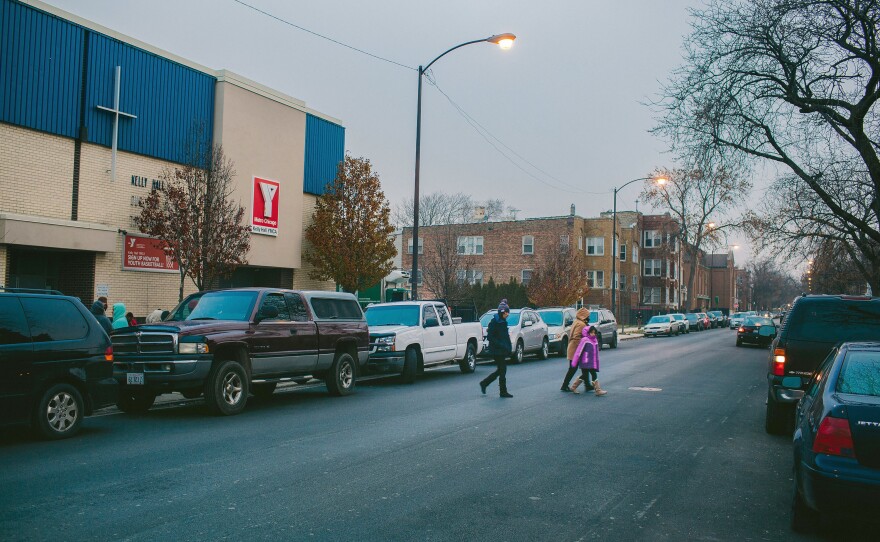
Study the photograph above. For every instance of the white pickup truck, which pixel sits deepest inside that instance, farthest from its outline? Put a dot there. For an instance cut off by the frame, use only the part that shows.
(407, 336)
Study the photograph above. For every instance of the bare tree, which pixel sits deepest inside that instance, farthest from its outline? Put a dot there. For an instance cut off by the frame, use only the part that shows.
(193, 213)
(698, 200)
(444, 270)
(560, 277)
(771, 287)
(833, 271)
(435, 209)
(793, 83)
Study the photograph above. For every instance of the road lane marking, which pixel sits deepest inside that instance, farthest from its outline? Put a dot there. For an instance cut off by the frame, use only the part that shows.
(644, 388)
(641, 514)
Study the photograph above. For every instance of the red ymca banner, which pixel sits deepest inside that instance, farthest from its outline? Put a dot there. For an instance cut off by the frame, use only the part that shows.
(146, 254)
(264, 207)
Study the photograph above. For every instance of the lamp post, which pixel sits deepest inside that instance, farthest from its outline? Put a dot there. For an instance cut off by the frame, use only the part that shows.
(505, 41)
(614, 254)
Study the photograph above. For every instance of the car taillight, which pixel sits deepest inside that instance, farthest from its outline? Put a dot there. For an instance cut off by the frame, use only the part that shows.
(741, 329)
(108, 354)
(779, 362)
(834, 438)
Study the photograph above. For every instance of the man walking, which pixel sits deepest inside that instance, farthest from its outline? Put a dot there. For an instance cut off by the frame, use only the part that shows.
(499, 348)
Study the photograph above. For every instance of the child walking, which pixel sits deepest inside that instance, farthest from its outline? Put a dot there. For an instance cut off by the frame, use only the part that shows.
(587, 358)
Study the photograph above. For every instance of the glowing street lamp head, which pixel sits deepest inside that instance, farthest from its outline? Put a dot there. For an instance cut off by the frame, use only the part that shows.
(505, 41)
(711, 225)
(661, 180)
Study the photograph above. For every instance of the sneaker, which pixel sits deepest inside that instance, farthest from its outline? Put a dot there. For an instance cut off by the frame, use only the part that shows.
(505, 395)
(565, 388)
(483, 388)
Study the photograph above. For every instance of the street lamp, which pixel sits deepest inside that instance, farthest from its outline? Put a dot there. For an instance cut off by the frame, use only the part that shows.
(505, 41)
(614, 255)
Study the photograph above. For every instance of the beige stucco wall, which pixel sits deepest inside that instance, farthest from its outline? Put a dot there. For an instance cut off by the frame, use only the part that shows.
(35, 173)
(265, 138)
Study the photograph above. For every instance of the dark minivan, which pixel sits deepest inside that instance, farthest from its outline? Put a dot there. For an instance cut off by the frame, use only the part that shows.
(810, 330)
(56, 362)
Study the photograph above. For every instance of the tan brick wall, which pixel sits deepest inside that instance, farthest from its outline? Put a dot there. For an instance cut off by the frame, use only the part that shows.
(301, 280)
(3, 265)
(36, 173)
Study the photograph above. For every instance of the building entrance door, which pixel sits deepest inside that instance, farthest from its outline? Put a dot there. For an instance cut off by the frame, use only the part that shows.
(68, 271)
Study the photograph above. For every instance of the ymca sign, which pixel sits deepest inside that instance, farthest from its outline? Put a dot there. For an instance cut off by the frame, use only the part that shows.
(145, 254)
(264, 207)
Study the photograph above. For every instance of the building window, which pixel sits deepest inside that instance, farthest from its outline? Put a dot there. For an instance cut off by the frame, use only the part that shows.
(471, 246)
(653, 239)
(470, 276)
(596, 279)
(595, 246)
(622, 283)
(635, 287)
(421, 246)
(526, 276)
(635, 254)
(580, 243)
(528, 244)
(652, 295)
(563, 242)
(652, 268)
(623, 252)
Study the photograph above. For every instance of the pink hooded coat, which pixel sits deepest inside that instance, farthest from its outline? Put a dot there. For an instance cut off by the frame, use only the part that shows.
(587, 354)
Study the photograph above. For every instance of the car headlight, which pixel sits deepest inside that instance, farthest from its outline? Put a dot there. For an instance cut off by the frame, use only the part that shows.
(385, 344)
(385, 340)
(552, 336)
(192, 348)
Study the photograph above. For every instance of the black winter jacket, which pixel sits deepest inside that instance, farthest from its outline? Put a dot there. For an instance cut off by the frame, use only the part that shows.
(499, 337)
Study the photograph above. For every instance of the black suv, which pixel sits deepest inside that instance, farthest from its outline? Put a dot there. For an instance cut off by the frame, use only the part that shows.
(55, 362)
(811, 328)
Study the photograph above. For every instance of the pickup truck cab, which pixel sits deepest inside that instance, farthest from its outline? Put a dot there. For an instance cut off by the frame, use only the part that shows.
(407, 336)
(227, 344)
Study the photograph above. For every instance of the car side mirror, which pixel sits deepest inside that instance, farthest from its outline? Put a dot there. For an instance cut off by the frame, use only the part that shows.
(569, 322)
(266, 313)
(431, 322)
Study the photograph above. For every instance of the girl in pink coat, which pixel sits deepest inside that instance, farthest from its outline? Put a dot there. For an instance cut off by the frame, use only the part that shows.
(587, 358)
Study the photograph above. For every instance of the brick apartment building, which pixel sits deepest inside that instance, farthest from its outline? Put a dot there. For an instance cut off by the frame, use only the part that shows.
(722, 281)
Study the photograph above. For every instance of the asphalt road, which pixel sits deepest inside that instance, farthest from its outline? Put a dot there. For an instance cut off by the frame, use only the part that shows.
(675, 451)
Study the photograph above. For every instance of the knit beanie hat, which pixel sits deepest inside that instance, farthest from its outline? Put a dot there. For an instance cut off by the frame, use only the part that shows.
(503, 306)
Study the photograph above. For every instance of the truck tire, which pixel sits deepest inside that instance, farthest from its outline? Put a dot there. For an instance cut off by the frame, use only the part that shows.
(775, 418)
(410, 366)
(340, 378)
(468, 363)
(263, 389)
(132, 400)
(226, 390)
(544, 353)
(59, 413)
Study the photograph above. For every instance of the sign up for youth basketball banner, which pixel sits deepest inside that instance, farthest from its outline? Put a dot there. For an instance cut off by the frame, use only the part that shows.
(264, 208)
(145, 254)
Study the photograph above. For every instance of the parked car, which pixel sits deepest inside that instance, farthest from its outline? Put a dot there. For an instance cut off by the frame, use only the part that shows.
(56, 362)
(559, 321)
(756, 330)
(606, 323)
(227, 344)
(695, 323)
(407, 336)
(528, 333)
(720, 318)
(813, 326)
(707, 322)
(661, 325)
(836, 441)
(736, 319)
(683, 324)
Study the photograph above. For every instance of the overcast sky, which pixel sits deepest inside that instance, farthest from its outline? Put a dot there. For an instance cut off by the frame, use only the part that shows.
(568, 97)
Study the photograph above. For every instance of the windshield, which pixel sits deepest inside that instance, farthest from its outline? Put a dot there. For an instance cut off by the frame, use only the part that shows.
(758, 321)
(225, 305)
(738, 315)
(552, 318)
(691, 317)
(512, 319)
(659, 320)
(393, 315)
(716, 314)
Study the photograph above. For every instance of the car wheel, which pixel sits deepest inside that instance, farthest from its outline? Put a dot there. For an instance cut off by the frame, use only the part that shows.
(191, 394)
(59, 413)
(264, 389)
(563, 349)
(340, 378)
(544, 353)
(803, 519)
(775, 418)
(133, 400)
(410, 366)
(226, 390)
(469, 362)
(614, 340)
(517, 353)
(739, 341)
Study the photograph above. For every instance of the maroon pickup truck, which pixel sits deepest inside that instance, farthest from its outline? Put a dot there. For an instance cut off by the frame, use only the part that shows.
(227, 344)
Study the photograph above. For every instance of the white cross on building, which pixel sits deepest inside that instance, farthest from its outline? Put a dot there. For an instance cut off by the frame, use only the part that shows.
(116, 112)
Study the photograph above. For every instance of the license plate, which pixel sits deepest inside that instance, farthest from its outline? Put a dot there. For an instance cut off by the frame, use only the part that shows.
(134, 379)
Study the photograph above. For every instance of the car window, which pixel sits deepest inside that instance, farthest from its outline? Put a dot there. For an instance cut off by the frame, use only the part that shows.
(298, 312)
(834, 320)
(552, 318)
(860, 373)
(428, 312)
(819, 375)
(277, 301)
(594, 317)
(327, 308)
(13, 326)
(444, 316)
(54, 319)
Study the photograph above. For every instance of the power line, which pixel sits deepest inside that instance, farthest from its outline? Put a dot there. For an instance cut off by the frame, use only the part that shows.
(337, 42)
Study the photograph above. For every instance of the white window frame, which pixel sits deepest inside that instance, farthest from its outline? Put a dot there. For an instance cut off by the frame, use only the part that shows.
(656, 267)
(580, 242)
(648, 295)
(409, 246)
(635, 252)
(596, 279)
(470, 245)
(622, 254)
(623, 283)
(653, 239)
(635, 286)
(597, 244)
(523, 280)
(469, 276)
(528, 241)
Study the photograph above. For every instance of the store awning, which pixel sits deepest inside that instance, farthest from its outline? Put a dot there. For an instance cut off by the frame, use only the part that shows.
(37, 231)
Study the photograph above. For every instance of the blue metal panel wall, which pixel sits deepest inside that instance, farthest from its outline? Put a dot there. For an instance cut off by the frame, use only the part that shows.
(169, 100)
(325, 148)
(40, 69)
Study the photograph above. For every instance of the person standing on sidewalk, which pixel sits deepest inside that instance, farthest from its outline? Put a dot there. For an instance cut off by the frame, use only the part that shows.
(577, 330)
(499, 348)
(587, 358)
